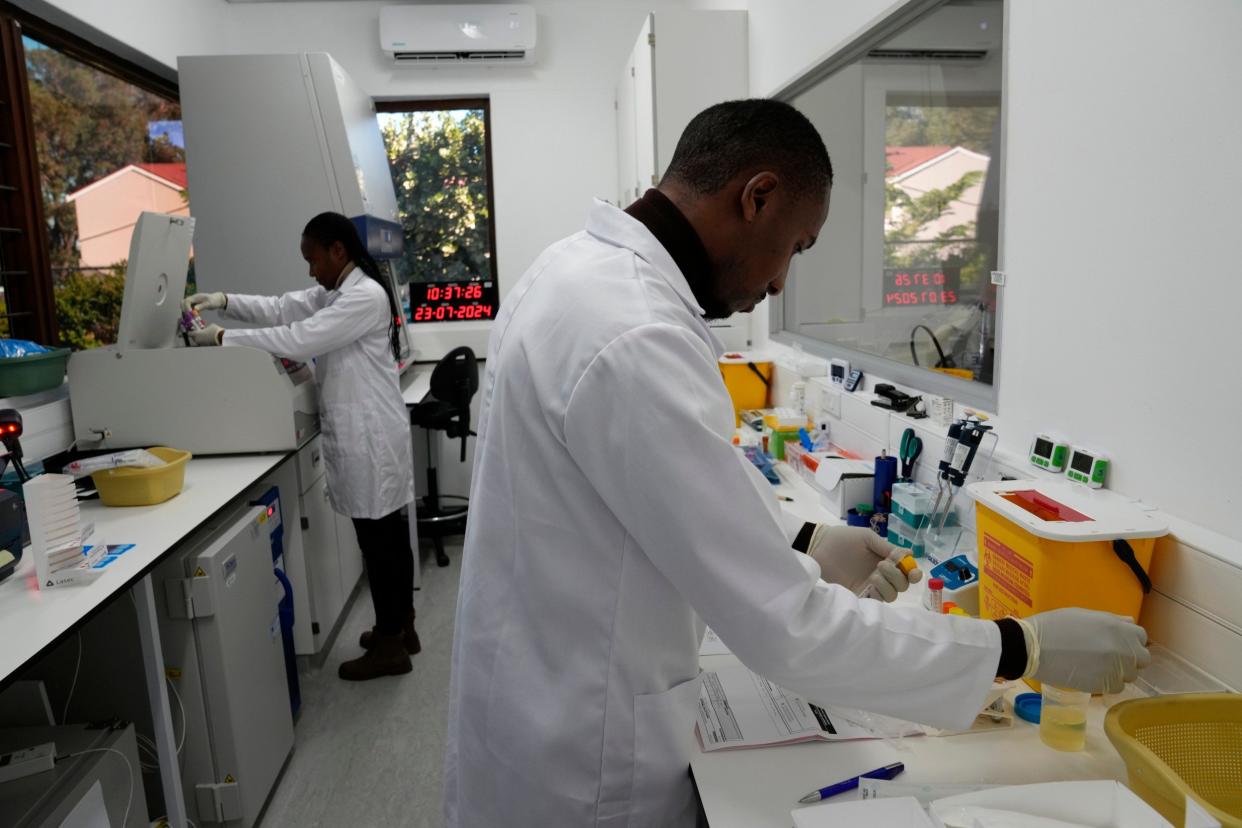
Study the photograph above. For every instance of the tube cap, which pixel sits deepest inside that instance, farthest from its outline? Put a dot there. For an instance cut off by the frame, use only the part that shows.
(907, 564)
(935, 583)
(1028, 707)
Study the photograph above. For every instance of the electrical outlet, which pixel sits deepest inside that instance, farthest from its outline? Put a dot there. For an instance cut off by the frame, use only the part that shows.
(830, 400)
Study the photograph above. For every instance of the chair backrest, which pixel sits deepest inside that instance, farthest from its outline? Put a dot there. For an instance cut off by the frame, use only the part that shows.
(456, 378)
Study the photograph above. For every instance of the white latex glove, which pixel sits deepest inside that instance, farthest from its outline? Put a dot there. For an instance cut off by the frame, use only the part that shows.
(856, 558)
(1080, 649)
(205, 301)
(209, 335)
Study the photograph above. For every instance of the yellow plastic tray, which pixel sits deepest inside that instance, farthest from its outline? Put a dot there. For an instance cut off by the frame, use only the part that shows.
(1179, 745)
(144, 487)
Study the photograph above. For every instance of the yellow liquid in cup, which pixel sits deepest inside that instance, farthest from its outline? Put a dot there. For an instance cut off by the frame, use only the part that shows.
(1063, 728)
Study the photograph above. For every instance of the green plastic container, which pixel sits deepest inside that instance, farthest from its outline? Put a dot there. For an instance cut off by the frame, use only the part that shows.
(31, 374)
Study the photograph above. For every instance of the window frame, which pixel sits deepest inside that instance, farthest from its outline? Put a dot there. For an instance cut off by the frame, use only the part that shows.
(441, 104)
(968, 392)
(36, 311)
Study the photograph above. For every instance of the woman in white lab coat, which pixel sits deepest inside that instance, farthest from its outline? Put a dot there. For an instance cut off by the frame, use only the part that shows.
(347, 325)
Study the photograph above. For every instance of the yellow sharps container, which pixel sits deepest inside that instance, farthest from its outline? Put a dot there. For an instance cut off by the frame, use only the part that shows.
(747, 378)
(1049, 544)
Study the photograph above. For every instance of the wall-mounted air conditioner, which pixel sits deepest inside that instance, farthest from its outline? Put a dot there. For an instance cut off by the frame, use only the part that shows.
(437, 36)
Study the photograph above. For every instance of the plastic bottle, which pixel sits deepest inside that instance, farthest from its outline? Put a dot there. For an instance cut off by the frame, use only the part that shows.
(820, 440)
(935, 594)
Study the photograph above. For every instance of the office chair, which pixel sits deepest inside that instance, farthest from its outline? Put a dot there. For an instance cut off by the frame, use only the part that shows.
(453, 383)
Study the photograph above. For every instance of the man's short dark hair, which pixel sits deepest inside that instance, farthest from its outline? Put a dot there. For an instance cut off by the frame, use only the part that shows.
(732, 137)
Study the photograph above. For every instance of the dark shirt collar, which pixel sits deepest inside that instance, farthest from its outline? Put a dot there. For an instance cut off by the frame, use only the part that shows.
(677, 235)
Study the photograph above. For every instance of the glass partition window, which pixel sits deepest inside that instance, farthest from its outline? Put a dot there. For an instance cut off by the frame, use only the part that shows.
(902, 271)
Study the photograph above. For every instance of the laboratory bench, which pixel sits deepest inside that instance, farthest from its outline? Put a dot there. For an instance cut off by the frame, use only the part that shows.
(44, 616)
(211, 484)
(753, 788)
(35, 620)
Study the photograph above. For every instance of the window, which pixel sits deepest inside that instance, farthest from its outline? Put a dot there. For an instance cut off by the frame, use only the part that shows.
(99, 141)
(900, 281)
(440, 156)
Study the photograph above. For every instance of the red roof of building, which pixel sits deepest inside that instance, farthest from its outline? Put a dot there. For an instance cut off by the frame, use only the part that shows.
(903, 159)
(174, 173)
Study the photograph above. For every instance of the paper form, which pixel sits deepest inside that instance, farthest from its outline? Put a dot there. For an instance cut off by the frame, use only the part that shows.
(740, 709)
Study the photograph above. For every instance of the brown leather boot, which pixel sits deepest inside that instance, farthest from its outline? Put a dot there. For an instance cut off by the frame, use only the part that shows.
(387, 657)
(412, 645)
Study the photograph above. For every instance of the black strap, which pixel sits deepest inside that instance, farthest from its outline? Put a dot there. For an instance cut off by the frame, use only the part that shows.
(1013, 655)
(802, 542)
(752, 366)
(1123, 550)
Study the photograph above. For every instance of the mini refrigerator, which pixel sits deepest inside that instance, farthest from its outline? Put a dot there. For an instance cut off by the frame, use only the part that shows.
(224, 654)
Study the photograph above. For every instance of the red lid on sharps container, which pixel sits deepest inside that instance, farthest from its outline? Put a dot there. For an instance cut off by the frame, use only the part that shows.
(935, 583)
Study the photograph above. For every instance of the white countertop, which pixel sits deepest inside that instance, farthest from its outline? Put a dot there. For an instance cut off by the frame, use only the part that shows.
(31, 619)
(416, 382)
(758, 788)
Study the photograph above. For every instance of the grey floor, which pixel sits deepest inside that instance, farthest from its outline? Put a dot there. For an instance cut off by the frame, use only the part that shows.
(370, 754)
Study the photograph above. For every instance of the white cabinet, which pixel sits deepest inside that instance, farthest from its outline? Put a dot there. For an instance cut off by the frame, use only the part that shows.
(682, 62)
(322, 551)
(322, 558)
(350, 557)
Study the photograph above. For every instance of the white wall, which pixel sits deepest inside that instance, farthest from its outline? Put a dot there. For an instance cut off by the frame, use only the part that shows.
(788, 37)
(1120, 320)
(553, 125)
(1117, 324)
(158, 30)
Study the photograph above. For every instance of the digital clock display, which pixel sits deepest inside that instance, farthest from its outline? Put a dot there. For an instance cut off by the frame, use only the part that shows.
(452, 301)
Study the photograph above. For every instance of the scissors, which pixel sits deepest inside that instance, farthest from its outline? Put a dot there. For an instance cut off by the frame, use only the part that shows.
(911, 449)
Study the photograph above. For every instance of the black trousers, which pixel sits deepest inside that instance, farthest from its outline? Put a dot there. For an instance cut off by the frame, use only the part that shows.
(385, 546)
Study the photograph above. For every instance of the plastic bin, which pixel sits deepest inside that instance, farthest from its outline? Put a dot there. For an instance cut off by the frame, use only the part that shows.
(801, 461)
(912, 502)
(144, 487)
(1044, 545)
(747, 380)
(32, 374)
(1175, 746)
(900, 534)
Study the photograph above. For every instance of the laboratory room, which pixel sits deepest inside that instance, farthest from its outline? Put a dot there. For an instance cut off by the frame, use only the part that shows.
(650, 413)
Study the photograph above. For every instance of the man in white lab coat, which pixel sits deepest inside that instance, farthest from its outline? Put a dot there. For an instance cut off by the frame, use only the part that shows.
(611, 517)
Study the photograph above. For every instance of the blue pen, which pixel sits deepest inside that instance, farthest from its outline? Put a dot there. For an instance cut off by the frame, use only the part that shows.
(886, 772)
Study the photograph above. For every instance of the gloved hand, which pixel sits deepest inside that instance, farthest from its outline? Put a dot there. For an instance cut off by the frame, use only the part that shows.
(209, 335)
(205, 301)
(1080, 649)
(856, 557)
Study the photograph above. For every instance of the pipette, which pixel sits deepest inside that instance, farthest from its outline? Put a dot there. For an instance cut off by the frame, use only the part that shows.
(950, 446)
(972, 434)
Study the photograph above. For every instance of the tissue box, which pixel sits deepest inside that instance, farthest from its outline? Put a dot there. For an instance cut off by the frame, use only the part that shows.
(844, 483)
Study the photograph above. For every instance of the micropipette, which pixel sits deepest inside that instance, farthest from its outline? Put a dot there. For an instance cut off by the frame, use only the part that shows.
(950, 446)
(963, 458)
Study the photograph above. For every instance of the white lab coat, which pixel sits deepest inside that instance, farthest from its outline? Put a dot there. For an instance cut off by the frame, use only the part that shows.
(366, 430)
(610, 517)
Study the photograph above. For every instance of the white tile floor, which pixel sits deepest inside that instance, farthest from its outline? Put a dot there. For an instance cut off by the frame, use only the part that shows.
(370, 754)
